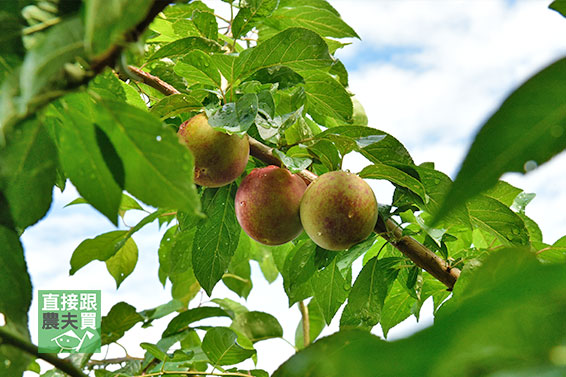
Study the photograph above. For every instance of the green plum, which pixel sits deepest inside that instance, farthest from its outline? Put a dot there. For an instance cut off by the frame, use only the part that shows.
(267, 205)
(219, 158)
(338, 210)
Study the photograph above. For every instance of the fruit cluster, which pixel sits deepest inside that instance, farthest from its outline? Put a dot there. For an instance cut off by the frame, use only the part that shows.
(273, 206)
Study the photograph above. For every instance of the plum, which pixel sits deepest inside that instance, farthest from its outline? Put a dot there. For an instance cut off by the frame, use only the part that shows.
(267, 205)
(219, 158)
(338, 210)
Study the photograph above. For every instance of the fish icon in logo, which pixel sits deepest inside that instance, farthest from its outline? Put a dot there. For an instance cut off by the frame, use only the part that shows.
(69, 341)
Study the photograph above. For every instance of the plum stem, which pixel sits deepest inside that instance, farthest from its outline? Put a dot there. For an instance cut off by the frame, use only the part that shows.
(306, 323)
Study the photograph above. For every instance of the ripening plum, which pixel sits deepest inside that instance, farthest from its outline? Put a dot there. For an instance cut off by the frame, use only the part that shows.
(219, 158)
(267, 205)
(338, 210)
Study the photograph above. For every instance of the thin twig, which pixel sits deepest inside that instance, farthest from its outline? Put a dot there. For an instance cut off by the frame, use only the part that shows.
(306, 323)
(66, 366)
(117, 360)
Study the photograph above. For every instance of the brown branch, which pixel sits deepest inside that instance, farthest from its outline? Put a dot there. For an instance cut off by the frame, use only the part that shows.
(7, 338)
(411, 248)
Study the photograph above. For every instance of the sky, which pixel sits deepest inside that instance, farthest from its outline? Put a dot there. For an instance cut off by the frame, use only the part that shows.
(429, 72)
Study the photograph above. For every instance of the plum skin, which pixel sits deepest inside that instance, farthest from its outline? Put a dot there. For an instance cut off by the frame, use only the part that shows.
(219, 158)
(267, 205)
(338, 210)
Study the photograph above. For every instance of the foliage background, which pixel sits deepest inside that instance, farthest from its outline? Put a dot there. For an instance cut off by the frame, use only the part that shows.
(429, 74)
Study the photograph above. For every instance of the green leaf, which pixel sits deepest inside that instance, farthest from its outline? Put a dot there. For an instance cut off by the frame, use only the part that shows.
(106, 22)
(257, 326)
(232, 307)
(247, 16)
(122, 264)
(185, 318)
(14, 301)
(206, 24)
(197, 68)
(503, 192)
(27, 172)
(502, 329)
(175, 104)
(326, 98)
(297, 270)
(322, 21)
(330, 290)
(238, 279)
(297, 48)
(368, 294)
(221, 347)
(527, 130)
(396, 176)
(397, 307)
(294, 164)
(119, 319)
(154, 351)
(559, 6)
(158, 168)
(377, 146)
(180, 255)
(216, 237)
(44, 64)
(183, 46)
(496, 218)
(87, 156)
(238, 117)
(100, 248)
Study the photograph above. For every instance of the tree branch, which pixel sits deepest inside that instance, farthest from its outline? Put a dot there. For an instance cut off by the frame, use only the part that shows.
(63, 365)
(388, 229)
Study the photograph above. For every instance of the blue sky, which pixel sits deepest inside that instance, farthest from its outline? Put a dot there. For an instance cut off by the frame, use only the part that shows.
(429, 72)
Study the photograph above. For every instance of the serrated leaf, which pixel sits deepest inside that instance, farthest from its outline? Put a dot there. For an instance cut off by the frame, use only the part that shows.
(377, 146)
(181, 47)
(175, 104)
(257, 326)
(221, 347)
(238, 279)
(14, 302)
(197, 68)
(297, 48)
(120, 318)
(294, 164)
(236, 117)
(185, 318)
(322, 21)
(100, 248)
(216, 237)
(43, 64)
(326, 98)
(503, 192)
(27, 172)
(365, 301)
(87, 156)
(154, 351)
(106, 22)
(397, 307)
(122, 264)
(396, 176)
(158, 167)
(527, 130)
(206, 24)
(252, 11)
(179, 257)
(330, 290)
(497, 219)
